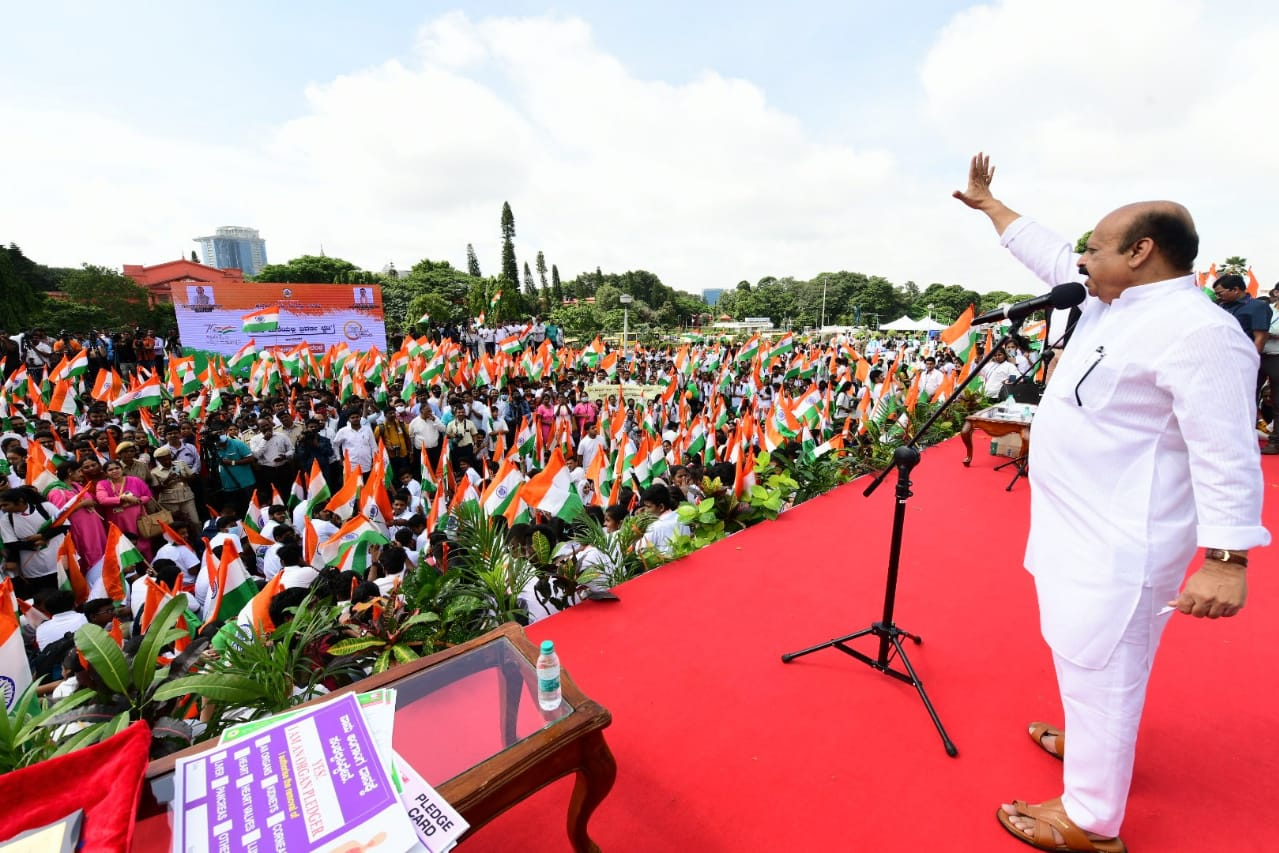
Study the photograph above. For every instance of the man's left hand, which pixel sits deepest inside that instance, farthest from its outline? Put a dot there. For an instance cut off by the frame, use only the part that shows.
(1217, 589)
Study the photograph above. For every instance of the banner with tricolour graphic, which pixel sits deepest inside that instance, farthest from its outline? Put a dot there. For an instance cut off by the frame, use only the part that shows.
(221, 318)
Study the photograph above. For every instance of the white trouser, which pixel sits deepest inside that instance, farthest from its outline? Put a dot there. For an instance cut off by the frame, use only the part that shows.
(1103, 710)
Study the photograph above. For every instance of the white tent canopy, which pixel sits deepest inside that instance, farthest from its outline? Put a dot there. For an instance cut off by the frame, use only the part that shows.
(905, 324)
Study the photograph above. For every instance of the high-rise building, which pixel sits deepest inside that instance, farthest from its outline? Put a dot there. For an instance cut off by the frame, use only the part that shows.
(711, 295)
(233, 247)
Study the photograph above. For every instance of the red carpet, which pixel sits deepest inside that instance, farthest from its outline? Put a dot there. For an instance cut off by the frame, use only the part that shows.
(720, 746)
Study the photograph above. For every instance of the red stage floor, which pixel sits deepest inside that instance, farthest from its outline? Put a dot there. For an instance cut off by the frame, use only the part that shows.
(721, 747)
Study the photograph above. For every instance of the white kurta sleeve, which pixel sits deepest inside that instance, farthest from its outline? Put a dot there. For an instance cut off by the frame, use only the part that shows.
(1211, 378)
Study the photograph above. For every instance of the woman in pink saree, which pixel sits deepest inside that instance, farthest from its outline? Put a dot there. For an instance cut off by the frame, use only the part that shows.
(124, 500)
(88, 532)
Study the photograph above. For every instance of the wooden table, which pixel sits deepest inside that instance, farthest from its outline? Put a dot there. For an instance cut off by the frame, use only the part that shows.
(483, 752)
(996, 421)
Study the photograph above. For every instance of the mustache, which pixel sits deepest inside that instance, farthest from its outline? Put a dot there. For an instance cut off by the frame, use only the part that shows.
(1083, 269)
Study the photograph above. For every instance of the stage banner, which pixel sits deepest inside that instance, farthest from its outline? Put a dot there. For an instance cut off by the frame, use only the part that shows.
(221, 318)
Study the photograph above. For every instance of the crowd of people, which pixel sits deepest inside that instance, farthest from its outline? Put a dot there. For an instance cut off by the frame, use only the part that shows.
(277, 452)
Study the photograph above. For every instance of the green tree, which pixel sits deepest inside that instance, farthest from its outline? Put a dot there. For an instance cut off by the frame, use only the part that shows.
(433, 304)
(947, 300)
(546, 288)
(73, 316)
(510, 270)
(557, 290)
(309, 269)
(472, 262)
(1082, 242)
(17, 291)
(530, 289)
(194, 258)
(129, 303)
(1233, 265)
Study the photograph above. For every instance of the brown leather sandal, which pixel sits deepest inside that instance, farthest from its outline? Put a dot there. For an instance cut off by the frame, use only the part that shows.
(1039, 731)
(1049, 816)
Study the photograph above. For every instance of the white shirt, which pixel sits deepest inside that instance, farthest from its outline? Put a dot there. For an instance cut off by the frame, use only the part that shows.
(34, 563)
(995, 374)
(358, 443)
(930, 381)
(184, 556)
(587, 448)
(425, 432)
(295, 577)
(1150, 455)
(57, 626)
(660, 533)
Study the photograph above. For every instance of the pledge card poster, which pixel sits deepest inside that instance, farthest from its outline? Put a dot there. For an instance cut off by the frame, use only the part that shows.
(212, 317)
(313, 782)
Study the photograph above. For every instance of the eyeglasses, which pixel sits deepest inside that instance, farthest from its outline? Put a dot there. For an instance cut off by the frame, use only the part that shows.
(1101, 353)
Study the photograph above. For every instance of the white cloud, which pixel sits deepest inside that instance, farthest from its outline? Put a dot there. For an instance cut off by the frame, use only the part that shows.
(702, 181)
(1092, 104)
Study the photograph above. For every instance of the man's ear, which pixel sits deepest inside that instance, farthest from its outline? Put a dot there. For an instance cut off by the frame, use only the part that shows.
(1140, 252)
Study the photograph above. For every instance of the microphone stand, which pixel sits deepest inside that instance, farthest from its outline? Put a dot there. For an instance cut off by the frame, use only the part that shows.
(905, 458)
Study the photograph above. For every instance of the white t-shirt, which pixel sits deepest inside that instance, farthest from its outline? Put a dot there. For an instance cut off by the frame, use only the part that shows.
(57, 626)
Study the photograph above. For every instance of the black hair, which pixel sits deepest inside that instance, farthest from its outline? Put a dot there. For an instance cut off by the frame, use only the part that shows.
(1230, 281)
(95, 605)
(62, 601)
(166, 571)
(1173, 233)
(658, 495)
(365, 591)
(290, 555)
(392, 560)
(283, 602)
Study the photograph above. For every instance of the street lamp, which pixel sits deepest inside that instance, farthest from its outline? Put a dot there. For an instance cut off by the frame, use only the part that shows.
(626, 299)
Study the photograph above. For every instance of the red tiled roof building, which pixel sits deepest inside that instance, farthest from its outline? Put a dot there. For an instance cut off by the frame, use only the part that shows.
(159, 279)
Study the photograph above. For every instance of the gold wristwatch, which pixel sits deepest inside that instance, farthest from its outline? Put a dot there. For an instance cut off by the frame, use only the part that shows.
(1238, 558)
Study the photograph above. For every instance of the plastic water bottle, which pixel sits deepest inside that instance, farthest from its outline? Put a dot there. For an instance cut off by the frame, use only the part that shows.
(548, 677)
(1025, 413)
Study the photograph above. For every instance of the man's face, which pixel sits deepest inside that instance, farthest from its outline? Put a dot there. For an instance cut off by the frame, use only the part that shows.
(1227, 295)
(265, 428)
(1105, 261)
(930, 363)
(129, 455)
(354, 421)
(97, 418)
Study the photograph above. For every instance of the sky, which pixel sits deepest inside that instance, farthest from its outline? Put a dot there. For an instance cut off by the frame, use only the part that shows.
(707, 142)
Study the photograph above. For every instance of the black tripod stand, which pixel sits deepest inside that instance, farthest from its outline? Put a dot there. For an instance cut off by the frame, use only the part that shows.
(905, 458)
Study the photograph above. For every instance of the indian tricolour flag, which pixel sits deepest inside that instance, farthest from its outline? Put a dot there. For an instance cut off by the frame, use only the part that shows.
(510, 344)
(230, 587)
(263, 320)
(498, 496)
(120, 556)
(15, 673)
(358, 531)
(551, 490)
(148, 395)
(958, 335)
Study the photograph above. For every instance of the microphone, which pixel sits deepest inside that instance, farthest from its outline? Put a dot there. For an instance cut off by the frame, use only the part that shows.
(1062, 296)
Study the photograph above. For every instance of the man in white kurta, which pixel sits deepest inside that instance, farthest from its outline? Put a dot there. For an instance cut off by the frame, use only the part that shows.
(1142, 451)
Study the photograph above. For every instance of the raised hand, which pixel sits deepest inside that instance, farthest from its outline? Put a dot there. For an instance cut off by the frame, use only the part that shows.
(980, 175)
